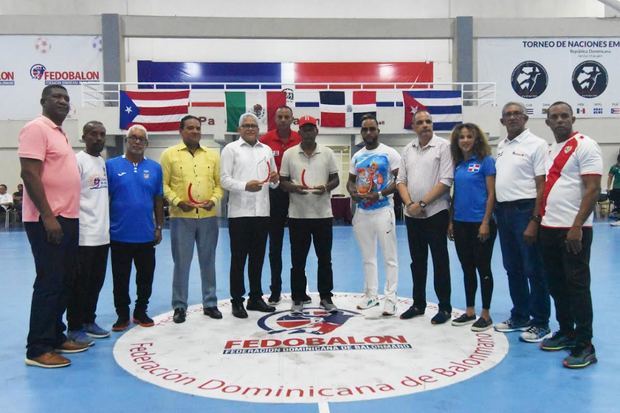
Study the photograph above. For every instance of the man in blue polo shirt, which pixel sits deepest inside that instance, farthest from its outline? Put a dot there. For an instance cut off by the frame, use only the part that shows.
(136, 196)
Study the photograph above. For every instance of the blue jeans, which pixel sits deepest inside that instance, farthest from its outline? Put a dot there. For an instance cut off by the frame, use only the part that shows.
(523, 263)
(184, 233)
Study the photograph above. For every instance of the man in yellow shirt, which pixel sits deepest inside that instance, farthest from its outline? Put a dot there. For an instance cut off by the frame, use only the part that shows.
(192, 188)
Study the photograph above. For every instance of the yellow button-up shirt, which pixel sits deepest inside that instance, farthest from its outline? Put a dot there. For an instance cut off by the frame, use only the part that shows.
(201, 170)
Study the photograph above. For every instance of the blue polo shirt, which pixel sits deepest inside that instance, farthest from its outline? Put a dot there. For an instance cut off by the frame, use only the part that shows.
(470, 188)
(132, 191)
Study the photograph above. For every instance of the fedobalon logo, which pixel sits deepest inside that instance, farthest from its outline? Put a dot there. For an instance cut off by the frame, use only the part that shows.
(63, 77)
(353, 355)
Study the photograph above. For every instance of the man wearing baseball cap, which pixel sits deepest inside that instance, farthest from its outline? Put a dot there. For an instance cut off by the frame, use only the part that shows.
(309, 173)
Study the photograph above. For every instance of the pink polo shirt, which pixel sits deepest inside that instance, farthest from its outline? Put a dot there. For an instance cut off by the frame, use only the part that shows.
(43, 140)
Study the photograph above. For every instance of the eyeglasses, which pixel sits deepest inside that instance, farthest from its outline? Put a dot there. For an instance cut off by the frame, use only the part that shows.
(369, 129)
(137, 139)
(249, 126)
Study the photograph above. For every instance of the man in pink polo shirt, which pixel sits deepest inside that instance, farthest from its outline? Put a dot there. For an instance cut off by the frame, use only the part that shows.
(51, 208)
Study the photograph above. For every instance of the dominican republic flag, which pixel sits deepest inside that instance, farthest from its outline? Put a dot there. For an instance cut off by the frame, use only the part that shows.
(474, 167)
(262, 104)
(446, 107)
(157, 111)
(345, 109)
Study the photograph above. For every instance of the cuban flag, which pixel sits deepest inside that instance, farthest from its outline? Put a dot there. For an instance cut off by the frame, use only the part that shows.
(157, 111)
(345, 109)
(474, 167)
(446, 107)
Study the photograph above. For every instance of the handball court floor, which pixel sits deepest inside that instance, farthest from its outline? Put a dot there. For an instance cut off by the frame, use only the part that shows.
(526, 380)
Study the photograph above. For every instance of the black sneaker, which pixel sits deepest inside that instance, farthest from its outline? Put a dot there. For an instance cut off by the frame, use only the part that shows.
(411, 312)
(463, 320)
(121, 324)
(142, 319)
(580, 357)
(306, 299)
(212, 312)
(440, 318)
(259, 305)
(481, 324)
(179, 315)
(274, 299)
(558, 341)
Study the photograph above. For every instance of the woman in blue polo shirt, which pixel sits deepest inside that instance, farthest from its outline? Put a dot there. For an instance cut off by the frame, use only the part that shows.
(472, 226)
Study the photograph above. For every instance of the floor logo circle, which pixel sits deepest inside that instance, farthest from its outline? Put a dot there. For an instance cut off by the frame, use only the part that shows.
(317, 356)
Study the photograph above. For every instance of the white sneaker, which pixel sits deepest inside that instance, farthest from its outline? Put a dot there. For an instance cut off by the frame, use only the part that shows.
(297, 307)
(389, 307)
(615, 224)
(368, 302)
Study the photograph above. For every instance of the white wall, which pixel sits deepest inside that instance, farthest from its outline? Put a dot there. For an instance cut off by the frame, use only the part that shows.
(316, 8)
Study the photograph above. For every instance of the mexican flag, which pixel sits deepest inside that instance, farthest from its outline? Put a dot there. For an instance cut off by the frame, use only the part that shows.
(261, 103)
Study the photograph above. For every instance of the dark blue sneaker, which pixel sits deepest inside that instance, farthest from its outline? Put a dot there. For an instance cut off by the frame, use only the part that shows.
(558, 341)
(580, 357)
(94, 331)
(512, 325)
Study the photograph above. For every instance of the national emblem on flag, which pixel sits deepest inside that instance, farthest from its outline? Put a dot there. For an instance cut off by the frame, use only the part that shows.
(445, 106)
(345, 109)
(157, 111)
(474, 167)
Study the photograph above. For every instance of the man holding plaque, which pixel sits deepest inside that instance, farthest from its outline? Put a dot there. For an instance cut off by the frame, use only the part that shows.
(309, 173)
(192, 188)
(248, 171)
(372, 181)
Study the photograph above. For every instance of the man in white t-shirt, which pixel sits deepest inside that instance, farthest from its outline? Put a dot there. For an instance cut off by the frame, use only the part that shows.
(94, 236)
(372, 181)
(572, 187)
(6, 200)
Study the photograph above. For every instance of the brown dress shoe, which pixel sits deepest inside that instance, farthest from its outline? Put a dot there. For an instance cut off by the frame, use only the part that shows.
(49, 360)
(71, 346)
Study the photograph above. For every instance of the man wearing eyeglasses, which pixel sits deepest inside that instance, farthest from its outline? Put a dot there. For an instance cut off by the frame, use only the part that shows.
(136, 196)
(372, 181)
(247, 171)
(192, 187)
(519, 186)
(279, 140)
(424, 180)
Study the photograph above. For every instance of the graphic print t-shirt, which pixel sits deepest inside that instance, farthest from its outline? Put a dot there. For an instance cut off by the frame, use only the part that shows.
(373, 171)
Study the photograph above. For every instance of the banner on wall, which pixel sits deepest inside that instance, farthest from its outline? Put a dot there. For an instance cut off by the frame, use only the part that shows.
(30, 63)
(537, 72)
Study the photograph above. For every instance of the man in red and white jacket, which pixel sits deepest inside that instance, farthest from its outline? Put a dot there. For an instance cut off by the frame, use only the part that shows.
(572, 186)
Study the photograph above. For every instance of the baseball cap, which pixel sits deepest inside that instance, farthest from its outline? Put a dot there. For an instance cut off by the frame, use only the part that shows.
(305, 120)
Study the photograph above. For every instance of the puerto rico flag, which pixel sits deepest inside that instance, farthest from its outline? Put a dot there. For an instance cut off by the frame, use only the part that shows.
(157, 111)
(446, 107)
(345, 109)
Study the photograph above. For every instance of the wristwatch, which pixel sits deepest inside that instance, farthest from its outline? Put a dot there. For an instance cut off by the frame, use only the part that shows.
(536, 218)
(422, 204)
(380, 195)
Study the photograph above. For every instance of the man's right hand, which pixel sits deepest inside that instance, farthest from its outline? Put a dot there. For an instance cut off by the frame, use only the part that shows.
(254, 185)
(53, 230)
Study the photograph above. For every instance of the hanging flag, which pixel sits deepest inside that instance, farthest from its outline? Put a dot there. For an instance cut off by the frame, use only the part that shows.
(262, 104)
(446, 107)
(345, 109)
(157, 111)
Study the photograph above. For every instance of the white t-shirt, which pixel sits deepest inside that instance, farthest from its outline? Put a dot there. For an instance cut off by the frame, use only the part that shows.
(568, 162)
(518, 161)
(94, 203)
(374, 172)
(6, 199)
